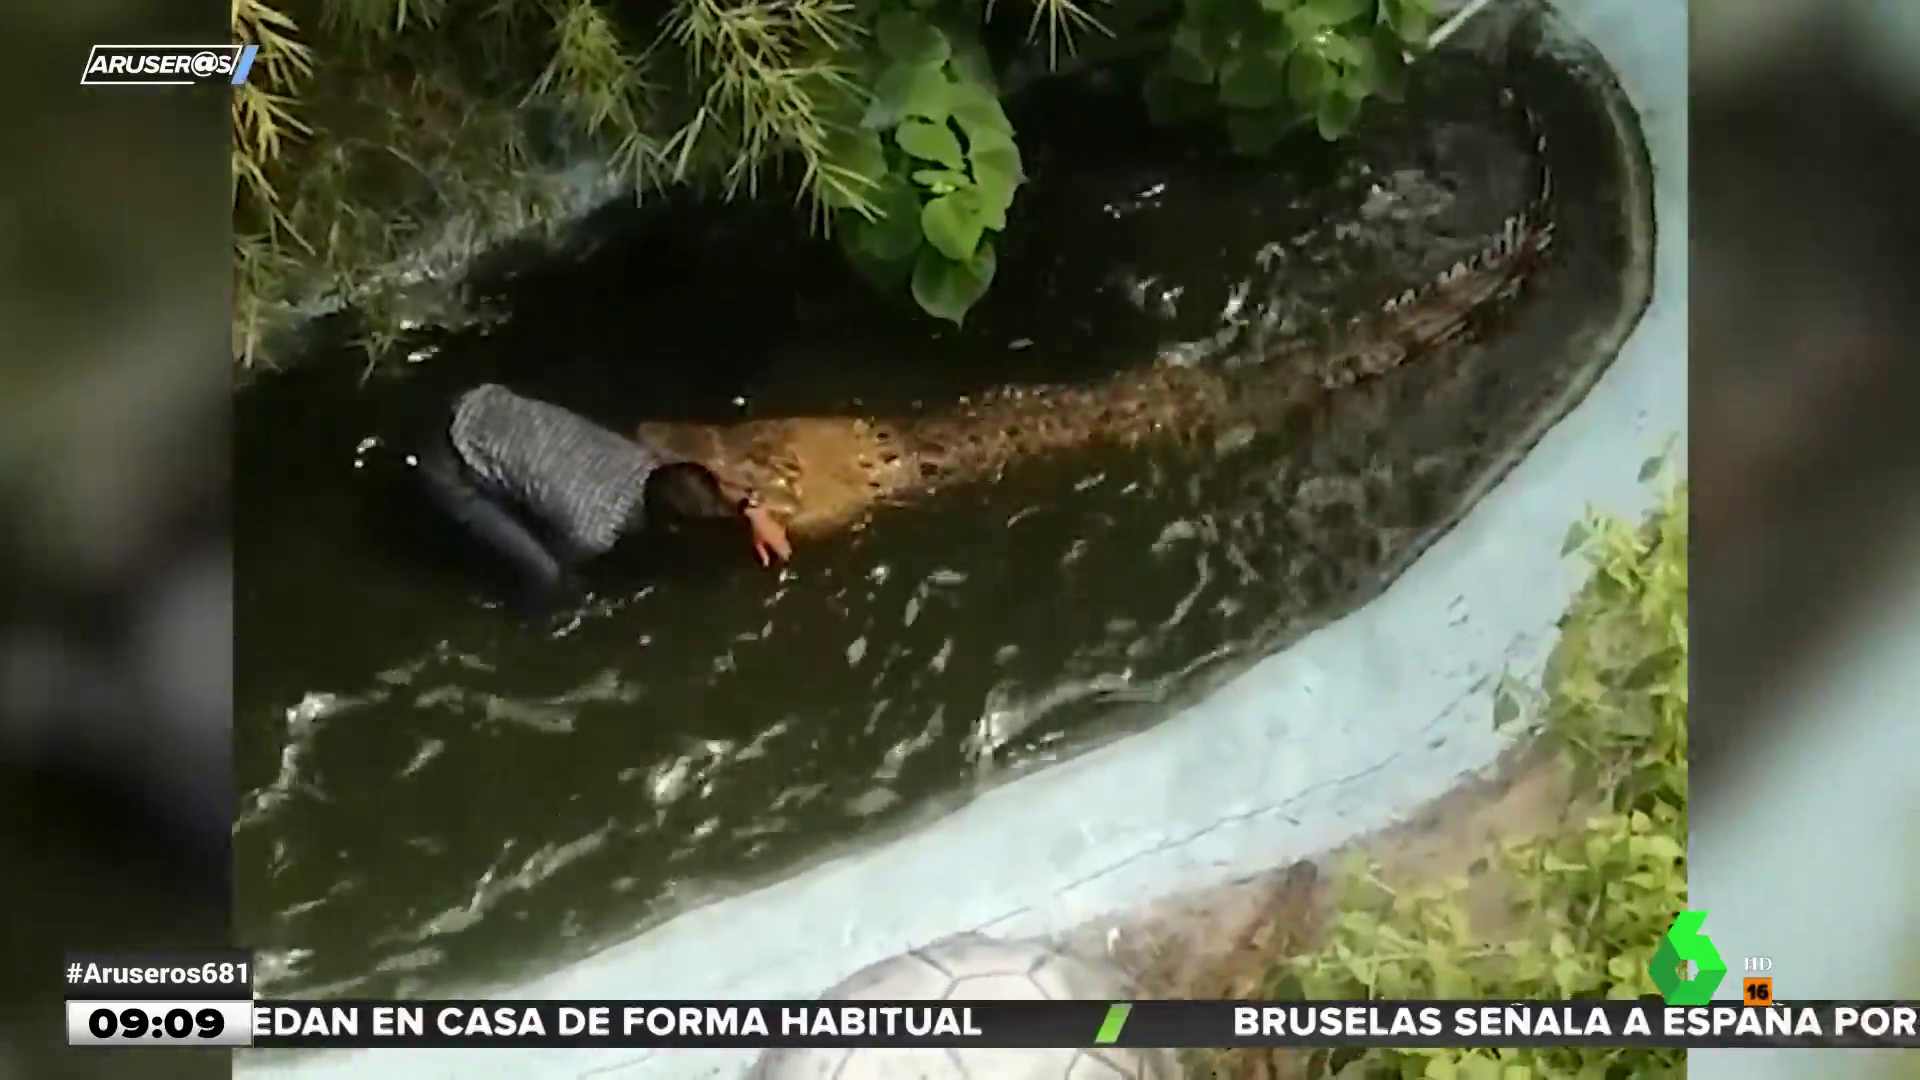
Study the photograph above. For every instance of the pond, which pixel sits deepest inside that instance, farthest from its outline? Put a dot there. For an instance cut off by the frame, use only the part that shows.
(438, 794)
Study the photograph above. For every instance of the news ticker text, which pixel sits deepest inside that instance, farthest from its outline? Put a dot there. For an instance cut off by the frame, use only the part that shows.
(984, 1024)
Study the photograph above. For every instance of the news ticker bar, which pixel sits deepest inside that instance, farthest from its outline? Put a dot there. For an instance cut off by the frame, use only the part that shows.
(984, 1024)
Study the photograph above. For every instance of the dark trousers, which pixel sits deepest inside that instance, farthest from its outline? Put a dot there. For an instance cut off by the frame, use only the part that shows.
(542, 566)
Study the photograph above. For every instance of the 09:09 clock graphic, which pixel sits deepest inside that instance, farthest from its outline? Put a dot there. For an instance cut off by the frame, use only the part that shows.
(159, 1023)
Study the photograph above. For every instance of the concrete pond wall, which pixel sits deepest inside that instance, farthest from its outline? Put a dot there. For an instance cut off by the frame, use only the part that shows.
(1329, 740)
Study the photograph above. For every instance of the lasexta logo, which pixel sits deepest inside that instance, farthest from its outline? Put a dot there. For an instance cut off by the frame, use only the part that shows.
(1685, 944)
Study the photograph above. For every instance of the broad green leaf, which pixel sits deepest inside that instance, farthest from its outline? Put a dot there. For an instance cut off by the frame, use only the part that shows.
(895, 232)
(858, 165)
(1413, 21)
(1253, 80)
(929, 95)
(911, 39)
(1189, 57)
(998, 173)
(1336, 12)
(1307, 78)
(953, 224)
(972, 67)
(840, 105)
(1337, 115)
(997, 168)
(1173, 100)
(942, 180)
(980, 116)
(1359, 73)
(1255, 133)
(905, 90)
(883, 274)
(947, 289)
(930, 142)
(1390, 65)
(1337, 49)
(1305, 22)
(983, 139)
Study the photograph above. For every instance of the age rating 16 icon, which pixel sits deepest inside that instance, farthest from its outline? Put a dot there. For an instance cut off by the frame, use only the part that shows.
(1757, 989)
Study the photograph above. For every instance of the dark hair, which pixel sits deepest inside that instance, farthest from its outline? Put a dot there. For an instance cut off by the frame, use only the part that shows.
(687, 491)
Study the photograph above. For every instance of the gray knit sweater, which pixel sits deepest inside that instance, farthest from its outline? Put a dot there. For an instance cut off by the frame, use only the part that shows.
(583, 481)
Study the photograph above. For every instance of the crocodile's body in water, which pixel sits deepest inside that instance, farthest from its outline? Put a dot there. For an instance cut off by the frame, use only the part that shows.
(825, 473)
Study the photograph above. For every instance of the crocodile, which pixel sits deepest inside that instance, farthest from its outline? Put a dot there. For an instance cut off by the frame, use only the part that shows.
(822, 474)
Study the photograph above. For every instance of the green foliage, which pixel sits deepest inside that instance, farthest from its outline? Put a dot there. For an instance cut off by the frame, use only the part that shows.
(1265, 68)
(933, 163)
(369, 124)
(1587, 905)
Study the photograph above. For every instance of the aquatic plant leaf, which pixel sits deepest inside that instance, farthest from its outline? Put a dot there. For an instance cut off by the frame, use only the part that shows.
(930, 142)
(1253, 80)
(1358, 70)
(948, 289)
(998, 173)
(1190, 58)
(894, 232)
(841, 105)
(1307, 78)
(1338, 50)
(980, 116)
(1411, 19)
(1336, 12)
(1305, 22)
(882, 273)
(910, 90)
(954, 224)
(941, 181)
(1338, 113)
(1249, 28)
(998, 167)
(1390, 65)
(1255, 133)
(972, 67)
(929, 94)
(910, 39)
(857, 154)
(1174, 100)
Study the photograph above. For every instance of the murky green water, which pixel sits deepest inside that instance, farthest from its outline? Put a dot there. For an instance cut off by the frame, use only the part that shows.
(436, 793)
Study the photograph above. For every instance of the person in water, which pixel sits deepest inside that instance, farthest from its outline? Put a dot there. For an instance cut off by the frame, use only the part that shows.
(550, 491)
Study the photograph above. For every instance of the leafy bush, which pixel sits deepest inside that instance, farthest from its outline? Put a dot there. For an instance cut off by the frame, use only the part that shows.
(936, 167)
(1587, 904)
(1270, 66)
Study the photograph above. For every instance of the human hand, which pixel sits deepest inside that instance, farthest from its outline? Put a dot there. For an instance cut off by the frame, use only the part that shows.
(770, 544)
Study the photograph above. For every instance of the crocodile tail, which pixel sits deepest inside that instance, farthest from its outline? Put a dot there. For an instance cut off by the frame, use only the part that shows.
(1445, 311)
(983, 436)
